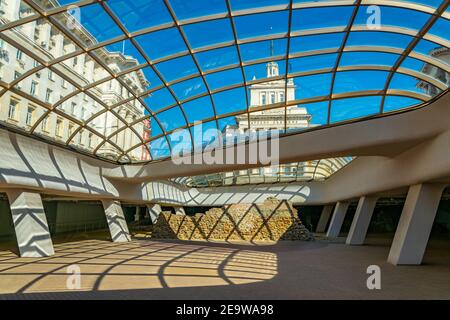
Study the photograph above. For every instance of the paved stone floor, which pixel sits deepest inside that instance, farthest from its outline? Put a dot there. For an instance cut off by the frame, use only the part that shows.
(200, 270)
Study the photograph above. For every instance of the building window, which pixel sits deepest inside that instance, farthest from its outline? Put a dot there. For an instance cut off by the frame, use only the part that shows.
(34, 88)
(59, 127)
(83, 113)
(19, 55)
(35, 64)
(12, 111)
(51, 76)
(48, 96)
(73, 107)
(45, 124)
(263, 98)
(30, 114)
(272, 97)
(17, 75)
(71, 128)
(90, 140)
(281, 96)
(64, 83)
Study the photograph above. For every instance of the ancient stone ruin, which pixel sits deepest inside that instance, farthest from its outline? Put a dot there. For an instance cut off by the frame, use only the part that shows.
(272, 220)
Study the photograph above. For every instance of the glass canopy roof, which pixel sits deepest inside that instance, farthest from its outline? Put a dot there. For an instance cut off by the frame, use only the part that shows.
(132, 81)
(316, 170)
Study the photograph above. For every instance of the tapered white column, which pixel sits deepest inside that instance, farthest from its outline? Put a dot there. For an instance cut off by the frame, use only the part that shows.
(30, 223)
(137, 214)
(324, 218)
(179, 211)
(116, 221)
(338, 218)
(154, 210)
(361, 221)
(416, 221)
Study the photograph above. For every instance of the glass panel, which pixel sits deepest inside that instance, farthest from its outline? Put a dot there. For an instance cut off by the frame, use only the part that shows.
(391, 16)
(265, 70)
(204, 134)
(264, 122)
(261, 24)
(83, 69)
(314, 18)
(209, 60)
(433, 50)
(45, 85)
(230, 100)
(180, 142)
(263, 49)
(189, 88)
(227, 124)
(311, 86)
(80, 107)
(297, 118)
(378, 38)
(247, 4)
(427, 69)
(430, 3)
(346, 109)
(15, 63)
(198, 109)
(134, 14)
(208, 33)
(177, 68)
(224, 78)
(51, 4)
(141, 80)
(408, 83)
(316, 42)
(19, 112)
(159, 148)
(318, 112)
(440, 28)
(111, 92)
(312, 63)
(88, 141)
(192, 9)
(368, 58)
(171, 119)
(155, 128)
(159, 99)
(350, 81)
(122, 55)
(392, 103)
(90, 25)
(156, 46)
(19, 10)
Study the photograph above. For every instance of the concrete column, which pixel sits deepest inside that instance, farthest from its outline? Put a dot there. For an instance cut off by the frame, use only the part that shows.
(324, 218)
(338, 217)
(116, 221)
(416, 221)
(30, 223)
(137, 215)
(361, 221)
(154, 210)
(179, 211)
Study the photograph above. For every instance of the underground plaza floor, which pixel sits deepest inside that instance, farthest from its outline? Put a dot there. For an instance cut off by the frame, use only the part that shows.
(156, 269)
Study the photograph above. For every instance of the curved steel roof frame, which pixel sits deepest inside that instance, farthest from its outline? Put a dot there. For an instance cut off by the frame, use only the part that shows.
(51, 14)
